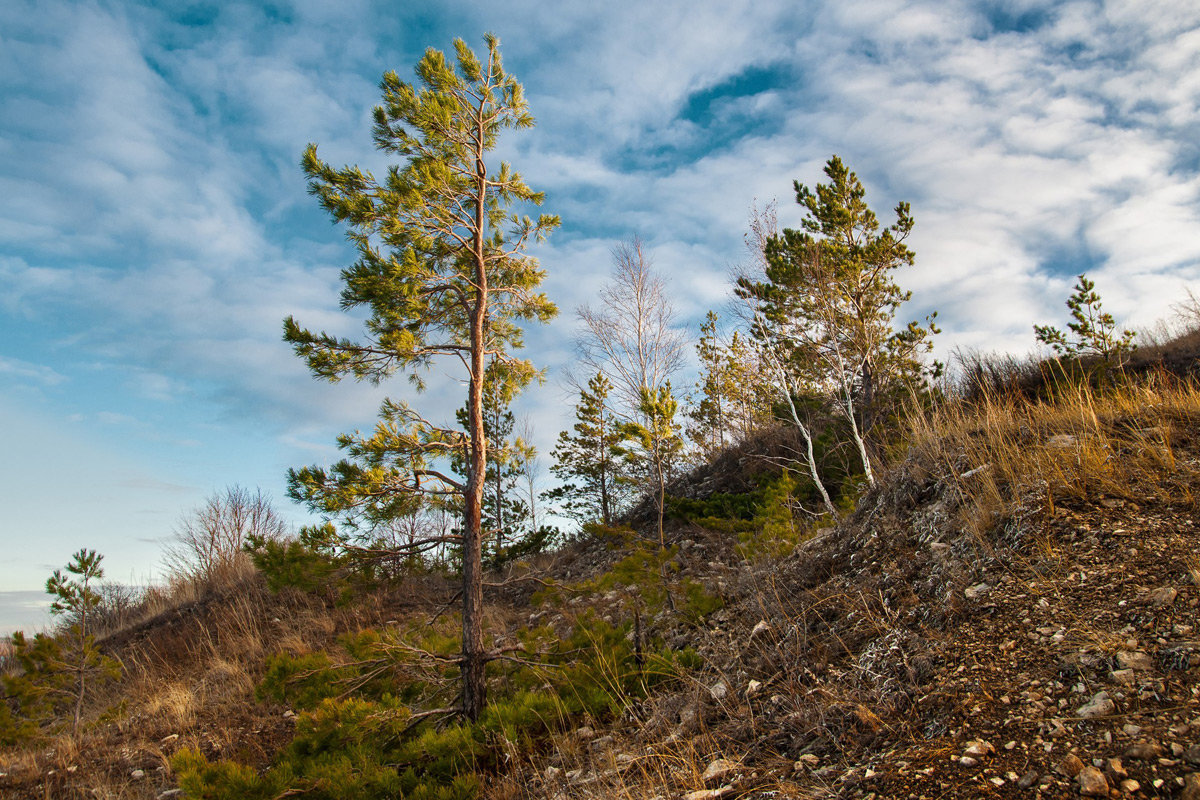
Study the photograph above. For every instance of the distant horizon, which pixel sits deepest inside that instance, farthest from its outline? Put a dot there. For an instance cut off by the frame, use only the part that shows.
(24, 610)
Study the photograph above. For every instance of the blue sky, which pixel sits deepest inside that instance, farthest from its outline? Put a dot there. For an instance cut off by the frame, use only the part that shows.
(155, 229)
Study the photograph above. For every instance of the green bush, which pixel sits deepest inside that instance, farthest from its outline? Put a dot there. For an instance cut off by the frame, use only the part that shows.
(312, 562)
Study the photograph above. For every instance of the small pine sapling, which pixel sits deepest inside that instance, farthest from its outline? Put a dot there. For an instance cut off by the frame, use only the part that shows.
(655, 445)
(1095, 331)
(77, 597)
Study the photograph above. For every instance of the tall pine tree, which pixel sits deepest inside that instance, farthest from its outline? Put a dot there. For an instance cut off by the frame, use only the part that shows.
(443, 269)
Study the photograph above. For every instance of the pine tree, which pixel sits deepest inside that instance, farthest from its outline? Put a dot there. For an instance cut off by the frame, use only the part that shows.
(443, 269)
(826, 305)
(586, 461)
(1095, 330)
(734, 395)
(653, 446)
(76, 597)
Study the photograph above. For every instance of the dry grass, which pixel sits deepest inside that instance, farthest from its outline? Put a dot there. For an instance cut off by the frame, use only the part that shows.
(1127, 442)
(173, 706)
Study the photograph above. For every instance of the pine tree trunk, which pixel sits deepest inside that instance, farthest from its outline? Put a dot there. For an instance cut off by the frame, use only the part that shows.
(474, 658)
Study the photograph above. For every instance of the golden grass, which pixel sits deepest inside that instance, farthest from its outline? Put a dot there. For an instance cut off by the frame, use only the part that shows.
(1082, 444)
(174, 705)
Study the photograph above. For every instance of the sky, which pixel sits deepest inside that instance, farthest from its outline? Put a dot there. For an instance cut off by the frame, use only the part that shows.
(155, 227)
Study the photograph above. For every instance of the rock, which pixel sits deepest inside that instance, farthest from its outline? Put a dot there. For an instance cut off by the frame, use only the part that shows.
(585, 733)
(719, 769)
(625, 759)
(979, 749)
(1143, 751)
(752, 688)
(708, 794)
(601, 743)
(553, 774)
(1092, 783)
(1098, 706)
(1028, 779)
(807, 760)
(138, 774)
(977, 591)
(1115, 769)
(1164, 596)
(1191, 787)
(1122, 677)
(1129, 786)
(1193, 754)
(290, 715)
(1070, 766)
(1130, 729)
(762, 627)
(1134, 660)
(1061, 441)
(718, 690)
(969, 761)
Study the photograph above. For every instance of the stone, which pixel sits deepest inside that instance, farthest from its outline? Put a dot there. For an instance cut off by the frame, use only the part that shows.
(553, 774)
(1071, 765)
(1028, 779)
(1129, 786)
(1062, 441)
(979, 749)
(585, 733)
(708, 794)
(1143, 751)
(718, 690)
(289, 715)
(1164, 596)
(1098, 706)
(752, 688)
(1191, 787)
(1193, 754)
(969, 761)
(1092, 783)
(1134, 660)
(1115, 768)
(977, 591)
(1122, 677)
(138, 774)
(762, 627)
(718, 769)
(807, 760)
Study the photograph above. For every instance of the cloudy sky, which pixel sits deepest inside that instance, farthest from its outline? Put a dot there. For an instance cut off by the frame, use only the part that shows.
(155, 229)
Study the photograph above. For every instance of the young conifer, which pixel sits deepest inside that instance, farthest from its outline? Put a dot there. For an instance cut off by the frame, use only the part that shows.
(1095, 330)
(586, 460)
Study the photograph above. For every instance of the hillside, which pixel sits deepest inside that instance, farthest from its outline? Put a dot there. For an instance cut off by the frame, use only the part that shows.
(1011, 612)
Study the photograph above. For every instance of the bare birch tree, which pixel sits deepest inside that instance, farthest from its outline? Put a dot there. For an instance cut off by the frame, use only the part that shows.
(631, 336)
